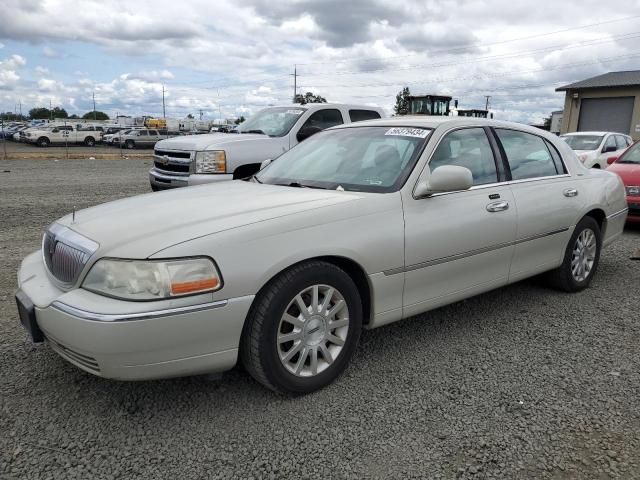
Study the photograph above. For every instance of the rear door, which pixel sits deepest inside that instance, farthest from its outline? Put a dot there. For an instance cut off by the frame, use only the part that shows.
(459, 243)
(546, 199)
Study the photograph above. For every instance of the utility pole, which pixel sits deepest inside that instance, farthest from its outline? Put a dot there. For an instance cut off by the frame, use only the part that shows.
(20, 103)
(94, 106)
(486, 104)
(163, 111)
(200, 114)
(50, 111)
(295, 82)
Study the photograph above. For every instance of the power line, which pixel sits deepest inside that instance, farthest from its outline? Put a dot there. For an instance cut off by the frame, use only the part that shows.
(477, 45)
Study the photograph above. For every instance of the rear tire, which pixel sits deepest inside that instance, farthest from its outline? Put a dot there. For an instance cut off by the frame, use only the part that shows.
(89, 141)
(130, 144)
(302, 328)
(597, 166)
(581, 258)
(43, 142)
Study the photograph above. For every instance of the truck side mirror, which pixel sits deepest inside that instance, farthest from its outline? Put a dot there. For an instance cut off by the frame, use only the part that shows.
(306, 132)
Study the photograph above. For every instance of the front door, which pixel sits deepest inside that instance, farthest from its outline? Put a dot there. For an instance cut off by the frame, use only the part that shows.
(459, 243)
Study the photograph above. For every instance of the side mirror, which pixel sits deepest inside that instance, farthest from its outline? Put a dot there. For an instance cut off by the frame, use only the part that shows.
(610, 148)
(448, 178)
(611, 160)
(265, 163)
(306, 132)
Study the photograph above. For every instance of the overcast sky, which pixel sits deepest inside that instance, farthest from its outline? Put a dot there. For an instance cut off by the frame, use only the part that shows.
(234, 57)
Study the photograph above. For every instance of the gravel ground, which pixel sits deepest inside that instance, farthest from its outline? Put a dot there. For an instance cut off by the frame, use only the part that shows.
(544, 386)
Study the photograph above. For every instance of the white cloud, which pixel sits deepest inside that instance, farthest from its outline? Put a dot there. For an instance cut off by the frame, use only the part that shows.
(41, 70)
(50, 52)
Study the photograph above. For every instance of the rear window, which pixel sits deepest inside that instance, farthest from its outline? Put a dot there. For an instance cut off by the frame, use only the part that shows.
(528, 155)
(361, 115)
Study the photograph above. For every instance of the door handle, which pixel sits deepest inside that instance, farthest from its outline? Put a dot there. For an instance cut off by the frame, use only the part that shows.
(571, 192)
(498, 206)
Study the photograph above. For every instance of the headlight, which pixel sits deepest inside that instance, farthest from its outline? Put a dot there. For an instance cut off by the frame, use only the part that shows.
(152, 279)
(212, 161)
(633, 190)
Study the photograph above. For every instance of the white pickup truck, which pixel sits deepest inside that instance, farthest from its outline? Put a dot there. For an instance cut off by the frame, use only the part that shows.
(197, 159)
(62, 134)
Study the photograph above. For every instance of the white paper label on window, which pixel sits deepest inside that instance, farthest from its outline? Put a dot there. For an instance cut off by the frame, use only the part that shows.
(408, 132)
(295, 112)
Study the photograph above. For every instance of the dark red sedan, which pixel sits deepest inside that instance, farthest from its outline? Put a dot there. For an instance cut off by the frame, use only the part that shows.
(627, 166)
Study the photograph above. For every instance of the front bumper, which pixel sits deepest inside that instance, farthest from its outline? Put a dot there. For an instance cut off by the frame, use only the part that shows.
(148, 340)
(162, 180)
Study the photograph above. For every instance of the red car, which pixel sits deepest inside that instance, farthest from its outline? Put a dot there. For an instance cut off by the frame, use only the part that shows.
(627, 166)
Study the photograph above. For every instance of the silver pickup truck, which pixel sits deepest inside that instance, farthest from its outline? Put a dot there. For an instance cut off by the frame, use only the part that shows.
(197, 159)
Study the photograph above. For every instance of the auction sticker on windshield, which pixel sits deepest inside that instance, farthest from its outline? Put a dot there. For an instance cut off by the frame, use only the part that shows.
(295, 112)
(408, 132)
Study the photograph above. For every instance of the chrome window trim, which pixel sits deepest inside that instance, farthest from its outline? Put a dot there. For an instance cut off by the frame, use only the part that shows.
(122, 317)
(500, 184)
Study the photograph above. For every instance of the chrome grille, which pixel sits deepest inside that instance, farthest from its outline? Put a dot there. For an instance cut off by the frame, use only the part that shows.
(66, 253)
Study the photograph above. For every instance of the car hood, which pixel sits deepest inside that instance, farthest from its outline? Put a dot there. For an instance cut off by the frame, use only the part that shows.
(629, 172)
(139, 226)
(208, 141)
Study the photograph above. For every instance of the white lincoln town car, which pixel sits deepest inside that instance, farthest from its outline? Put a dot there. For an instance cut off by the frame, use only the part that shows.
(358, 226)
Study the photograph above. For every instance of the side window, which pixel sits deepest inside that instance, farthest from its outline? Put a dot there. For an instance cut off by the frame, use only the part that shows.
(610, 143)
(360, 115)
(527, 154)
(470, 148)
(142, 133)
(621, 142)
(324, 119)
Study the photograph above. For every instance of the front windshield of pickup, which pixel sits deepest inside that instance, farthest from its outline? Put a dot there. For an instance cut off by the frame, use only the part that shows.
(275, 121)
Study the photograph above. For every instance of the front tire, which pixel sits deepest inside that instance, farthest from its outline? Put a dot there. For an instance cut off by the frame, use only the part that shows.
(302, 329)
(43, 142)
(581, 258)
(129, 144)
(89, 141)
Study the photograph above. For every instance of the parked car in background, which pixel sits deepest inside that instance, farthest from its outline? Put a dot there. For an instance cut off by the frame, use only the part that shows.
(194, 160)
(357, 227)
(627, 166)
(62, 134)
(593, 148)
(143, 138)
(115, 138)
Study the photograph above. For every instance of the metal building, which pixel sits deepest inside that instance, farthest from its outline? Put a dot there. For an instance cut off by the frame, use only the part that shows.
(609, 102)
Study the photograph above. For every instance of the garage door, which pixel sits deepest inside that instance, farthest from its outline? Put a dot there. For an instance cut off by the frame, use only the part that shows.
(606, 114)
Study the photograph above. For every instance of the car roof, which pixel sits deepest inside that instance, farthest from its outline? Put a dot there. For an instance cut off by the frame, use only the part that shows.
(427, 121)
(328, 104)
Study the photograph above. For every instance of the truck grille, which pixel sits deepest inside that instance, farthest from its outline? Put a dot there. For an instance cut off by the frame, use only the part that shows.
(66, 253)
(172, 167)
(164, 153)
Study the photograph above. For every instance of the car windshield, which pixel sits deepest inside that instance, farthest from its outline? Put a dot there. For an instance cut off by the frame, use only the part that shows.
(366, 159)
(631, 156)
(583, 142)
(275, 122)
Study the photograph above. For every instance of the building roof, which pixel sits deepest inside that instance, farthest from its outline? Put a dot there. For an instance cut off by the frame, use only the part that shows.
(629, 78)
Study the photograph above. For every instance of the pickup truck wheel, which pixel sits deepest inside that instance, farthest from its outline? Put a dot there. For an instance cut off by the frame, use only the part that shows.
(596, 166)
(581, 258)
(89, 141)
(130, 144)
(43, 142)
(302, 328)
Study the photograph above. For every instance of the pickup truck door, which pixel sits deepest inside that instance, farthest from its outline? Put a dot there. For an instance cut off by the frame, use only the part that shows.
(323, 118)
(547, 200)
(459, 243)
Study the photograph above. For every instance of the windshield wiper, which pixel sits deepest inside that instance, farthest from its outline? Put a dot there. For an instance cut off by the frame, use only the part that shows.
(298, 185)
(254, 131)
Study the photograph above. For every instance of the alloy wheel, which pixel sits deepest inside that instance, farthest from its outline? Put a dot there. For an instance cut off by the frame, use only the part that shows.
(313, 330)
(583, 255)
